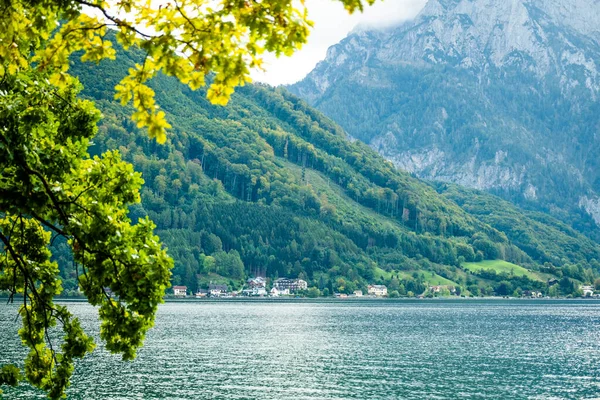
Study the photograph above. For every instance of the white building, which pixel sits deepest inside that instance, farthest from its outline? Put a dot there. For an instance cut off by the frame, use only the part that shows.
(378, 290)
(292, 285)
(217, 290)
(302, 284)
(180, 291)
(276, 292)
(588, 291)
(358, 293)
(255, 291)
(257, 282)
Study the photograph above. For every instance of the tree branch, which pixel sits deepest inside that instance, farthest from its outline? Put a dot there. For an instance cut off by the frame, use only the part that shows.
(115, 20)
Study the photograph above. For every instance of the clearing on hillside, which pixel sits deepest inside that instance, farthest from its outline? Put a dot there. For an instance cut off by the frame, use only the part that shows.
(500, 266)
(430, 278)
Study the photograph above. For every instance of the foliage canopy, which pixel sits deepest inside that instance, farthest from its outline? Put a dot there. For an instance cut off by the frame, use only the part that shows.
(187, 39)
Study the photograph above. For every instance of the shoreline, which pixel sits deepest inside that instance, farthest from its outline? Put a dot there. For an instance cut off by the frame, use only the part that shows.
(4, 299)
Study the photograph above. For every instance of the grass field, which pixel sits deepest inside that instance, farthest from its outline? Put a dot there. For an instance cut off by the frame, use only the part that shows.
(431, 278)
(502, 266)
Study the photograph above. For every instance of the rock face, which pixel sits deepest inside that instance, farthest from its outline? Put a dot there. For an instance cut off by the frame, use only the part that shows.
(500, 95)
(556, 37)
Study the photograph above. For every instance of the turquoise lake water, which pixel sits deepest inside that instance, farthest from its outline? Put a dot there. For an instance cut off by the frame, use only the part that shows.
(490, 349)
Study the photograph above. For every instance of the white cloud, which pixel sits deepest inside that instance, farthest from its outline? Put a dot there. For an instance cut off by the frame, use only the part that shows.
(332, 24)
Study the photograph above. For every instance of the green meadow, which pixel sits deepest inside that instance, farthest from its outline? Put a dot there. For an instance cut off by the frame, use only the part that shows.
(500, 266)
(430, 278)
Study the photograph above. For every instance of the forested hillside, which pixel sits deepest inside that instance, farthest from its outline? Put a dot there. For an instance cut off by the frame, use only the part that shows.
(269, 186)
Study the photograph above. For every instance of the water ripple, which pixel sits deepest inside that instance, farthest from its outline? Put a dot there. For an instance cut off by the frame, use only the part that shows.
(345, 350)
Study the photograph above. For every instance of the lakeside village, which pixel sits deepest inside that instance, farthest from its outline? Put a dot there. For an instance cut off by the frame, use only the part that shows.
(287, 287)
(282, 287)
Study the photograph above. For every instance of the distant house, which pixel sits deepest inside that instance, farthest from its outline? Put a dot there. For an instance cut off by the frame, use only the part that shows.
(201, 293)
(292, 285)
(532, 294)
(180, 291)
(358, 293)
(377, 290)
(255, 291)
(440, 288)
(301, 284)
(276, 292)
(217, 290)
(257, 282)
(588, 291)
(435, 289)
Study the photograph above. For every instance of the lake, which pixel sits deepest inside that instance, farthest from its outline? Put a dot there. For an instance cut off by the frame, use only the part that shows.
(480, 349)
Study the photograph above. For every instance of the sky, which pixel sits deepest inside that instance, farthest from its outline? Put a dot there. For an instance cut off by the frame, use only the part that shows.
(332, 24)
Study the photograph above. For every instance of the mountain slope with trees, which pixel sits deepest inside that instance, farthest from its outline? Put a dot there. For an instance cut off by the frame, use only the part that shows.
(269, 186)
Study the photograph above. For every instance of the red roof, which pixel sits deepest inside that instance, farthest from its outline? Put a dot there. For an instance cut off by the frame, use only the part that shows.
(180, 287)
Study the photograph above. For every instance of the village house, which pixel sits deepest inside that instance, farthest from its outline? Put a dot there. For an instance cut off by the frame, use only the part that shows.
(588, 291)
(377, 290)
(276, 292)
(293, 285)
(259, 282)
(217, 290)
(435, 289)
(257, 287)
(358, 293)
(440, 288)
(532, 294)
(201, 293)
(301, 284)
(255, 291)
(180, 291)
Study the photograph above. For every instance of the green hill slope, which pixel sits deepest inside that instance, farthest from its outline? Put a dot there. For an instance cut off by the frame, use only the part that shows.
(269, 186)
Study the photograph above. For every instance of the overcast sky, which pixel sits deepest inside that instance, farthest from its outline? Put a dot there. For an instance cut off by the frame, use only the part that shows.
(332, 24)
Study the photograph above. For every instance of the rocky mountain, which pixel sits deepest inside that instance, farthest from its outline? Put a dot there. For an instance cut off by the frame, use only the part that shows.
(498, 95)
